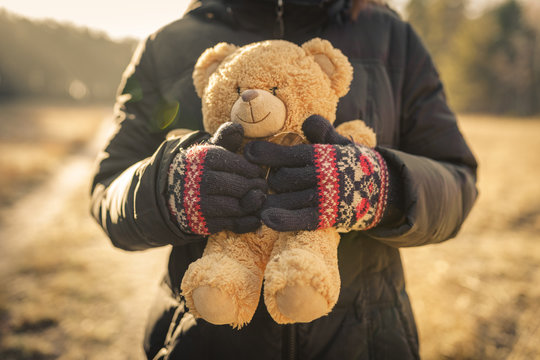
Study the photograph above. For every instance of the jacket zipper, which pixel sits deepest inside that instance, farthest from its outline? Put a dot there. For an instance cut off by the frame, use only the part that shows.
(280, 26)
(288, 350)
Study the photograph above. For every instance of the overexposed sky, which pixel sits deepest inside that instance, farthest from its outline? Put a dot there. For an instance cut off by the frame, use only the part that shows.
(121, 18)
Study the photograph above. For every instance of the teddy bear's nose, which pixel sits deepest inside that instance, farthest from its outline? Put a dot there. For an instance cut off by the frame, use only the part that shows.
(249, 95)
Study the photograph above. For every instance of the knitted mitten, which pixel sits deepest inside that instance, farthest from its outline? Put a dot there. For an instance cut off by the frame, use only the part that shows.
(317, 186)
(210, 188)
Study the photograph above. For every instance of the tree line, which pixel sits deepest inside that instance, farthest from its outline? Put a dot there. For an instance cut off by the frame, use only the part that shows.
(489, 62)
(47, 58)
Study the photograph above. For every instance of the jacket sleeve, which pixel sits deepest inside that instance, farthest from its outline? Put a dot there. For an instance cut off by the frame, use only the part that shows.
(434, 169)
(129, 185)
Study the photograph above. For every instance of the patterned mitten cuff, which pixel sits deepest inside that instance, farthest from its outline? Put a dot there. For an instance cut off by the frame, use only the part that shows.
(185, 174)
(352, 186)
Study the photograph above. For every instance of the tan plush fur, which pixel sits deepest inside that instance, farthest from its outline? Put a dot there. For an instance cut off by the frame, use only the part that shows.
(270, 88)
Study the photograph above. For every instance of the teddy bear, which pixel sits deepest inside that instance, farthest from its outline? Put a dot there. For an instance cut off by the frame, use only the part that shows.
(270, 88)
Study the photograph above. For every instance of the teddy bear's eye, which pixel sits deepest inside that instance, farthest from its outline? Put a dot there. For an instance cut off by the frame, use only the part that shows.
(238, 90)
(273, 90)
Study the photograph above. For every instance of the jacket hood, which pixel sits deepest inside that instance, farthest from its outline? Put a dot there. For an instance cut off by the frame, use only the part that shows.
(287, 19)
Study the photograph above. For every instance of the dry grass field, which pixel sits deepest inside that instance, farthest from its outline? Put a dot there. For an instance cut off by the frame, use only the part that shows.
(66, 293)
(476, 296)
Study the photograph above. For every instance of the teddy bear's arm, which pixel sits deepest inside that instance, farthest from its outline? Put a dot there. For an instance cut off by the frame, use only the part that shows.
(359, 132)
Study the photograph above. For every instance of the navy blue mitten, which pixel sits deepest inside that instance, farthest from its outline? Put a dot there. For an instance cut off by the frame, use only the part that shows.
(210, 188)
(332, 182)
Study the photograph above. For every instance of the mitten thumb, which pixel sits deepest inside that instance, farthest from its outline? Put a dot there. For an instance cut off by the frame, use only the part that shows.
(318, 130)
(229, 135)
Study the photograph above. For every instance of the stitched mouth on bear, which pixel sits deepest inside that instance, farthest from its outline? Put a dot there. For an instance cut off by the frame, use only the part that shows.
(253, 118)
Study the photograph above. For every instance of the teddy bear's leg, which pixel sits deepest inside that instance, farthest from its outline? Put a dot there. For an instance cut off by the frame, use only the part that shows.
(301, 281)
(223, 286)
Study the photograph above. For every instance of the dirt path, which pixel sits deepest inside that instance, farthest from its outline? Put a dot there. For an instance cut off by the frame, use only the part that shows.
(34, 213)
(66, 292)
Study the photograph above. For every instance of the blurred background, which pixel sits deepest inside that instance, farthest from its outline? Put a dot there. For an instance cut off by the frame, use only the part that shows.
(60, 63)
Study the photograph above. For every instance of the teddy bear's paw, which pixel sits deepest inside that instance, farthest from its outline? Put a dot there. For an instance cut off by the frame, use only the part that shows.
(221, 290)
(214, 305)
(301, 303)
(299, 287)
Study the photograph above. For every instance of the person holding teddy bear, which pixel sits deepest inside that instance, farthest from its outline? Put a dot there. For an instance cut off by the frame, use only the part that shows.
(377, 163)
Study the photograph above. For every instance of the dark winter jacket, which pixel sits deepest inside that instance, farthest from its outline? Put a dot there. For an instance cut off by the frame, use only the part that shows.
(396, 90)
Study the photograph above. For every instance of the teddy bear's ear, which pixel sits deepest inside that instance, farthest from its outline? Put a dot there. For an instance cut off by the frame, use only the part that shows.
(208, 63)
(332, 62)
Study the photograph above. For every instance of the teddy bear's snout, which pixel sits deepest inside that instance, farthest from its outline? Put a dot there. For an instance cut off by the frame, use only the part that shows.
(249, 95)
(260, 112)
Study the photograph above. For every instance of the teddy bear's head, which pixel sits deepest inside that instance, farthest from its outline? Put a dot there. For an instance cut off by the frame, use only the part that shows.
(272, 86)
